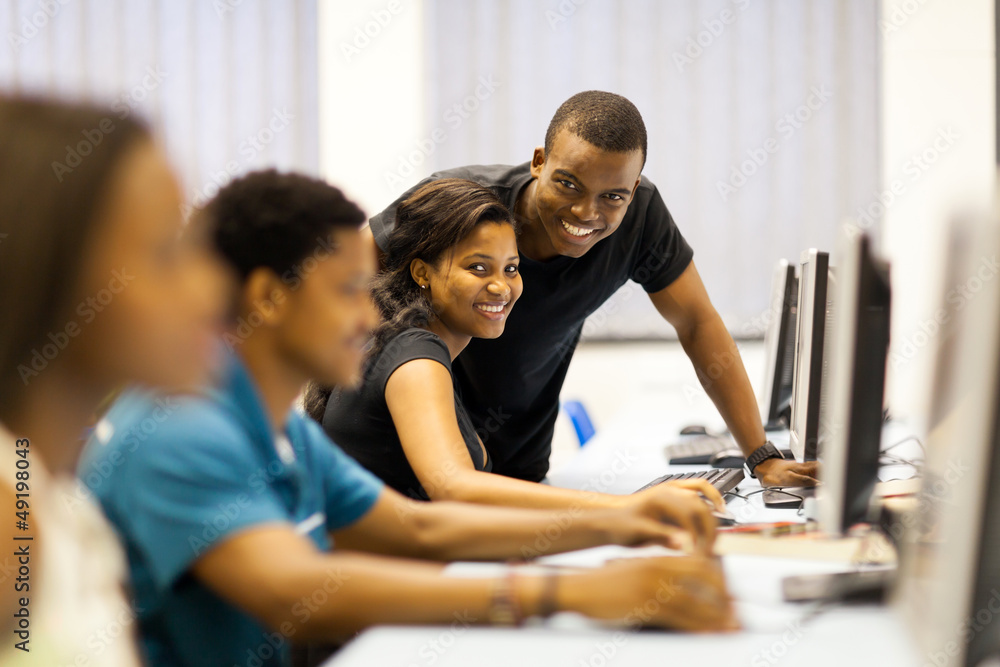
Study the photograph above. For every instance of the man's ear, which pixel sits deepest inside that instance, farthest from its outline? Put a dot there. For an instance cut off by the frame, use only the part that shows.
(537, 161)
(265, 294)
(420, 272)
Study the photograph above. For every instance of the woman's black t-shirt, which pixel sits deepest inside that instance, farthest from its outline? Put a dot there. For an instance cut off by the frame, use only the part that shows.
(359, 421)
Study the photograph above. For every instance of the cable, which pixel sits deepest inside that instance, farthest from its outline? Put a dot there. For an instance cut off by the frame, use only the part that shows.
(907, 439)
(890, 459)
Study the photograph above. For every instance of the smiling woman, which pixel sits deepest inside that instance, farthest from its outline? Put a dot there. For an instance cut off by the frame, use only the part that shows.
(451, 275)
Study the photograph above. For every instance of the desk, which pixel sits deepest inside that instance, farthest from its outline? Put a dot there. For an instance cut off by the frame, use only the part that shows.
(625, 455)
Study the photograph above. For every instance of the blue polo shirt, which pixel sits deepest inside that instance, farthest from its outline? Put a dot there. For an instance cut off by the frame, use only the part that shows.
(178, 475)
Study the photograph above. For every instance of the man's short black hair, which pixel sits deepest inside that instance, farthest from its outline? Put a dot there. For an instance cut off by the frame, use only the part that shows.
(276, 220)
(608, 121)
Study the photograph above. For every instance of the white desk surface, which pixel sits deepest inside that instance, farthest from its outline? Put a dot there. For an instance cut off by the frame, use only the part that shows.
(626, 454)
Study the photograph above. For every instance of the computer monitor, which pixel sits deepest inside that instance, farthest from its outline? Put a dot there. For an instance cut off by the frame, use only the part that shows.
(949, 590)
(814, 313)
(851, 416)
(779, 348)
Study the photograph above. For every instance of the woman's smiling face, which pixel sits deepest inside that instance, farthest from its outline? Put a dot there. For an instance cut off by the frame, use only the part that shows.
(473, 287)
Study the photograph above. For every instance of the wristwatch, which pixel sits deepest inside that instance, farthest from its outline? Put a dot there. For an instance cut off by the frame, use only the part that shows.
(761, 454)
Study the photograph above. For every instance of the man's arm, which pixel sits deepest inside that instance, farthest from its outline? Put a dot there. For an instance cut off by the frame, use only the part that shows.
(280, 578)
(686, 306)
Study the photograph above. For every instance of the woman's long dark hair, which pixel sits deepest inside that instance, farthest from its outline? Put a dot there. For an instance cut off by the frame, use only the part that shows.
(429, 223)
(57, 161)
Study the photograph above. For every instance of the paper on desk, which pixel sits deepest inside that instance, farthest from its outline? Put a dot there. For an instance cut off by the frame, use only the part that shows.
(581, 559)
(809, 546)
(598, 556)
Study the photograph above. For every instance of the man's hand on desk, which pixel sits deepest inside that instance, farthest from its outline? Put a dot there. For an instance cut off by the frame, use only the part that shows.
(779, 472)
(680, 592)
(679, 504)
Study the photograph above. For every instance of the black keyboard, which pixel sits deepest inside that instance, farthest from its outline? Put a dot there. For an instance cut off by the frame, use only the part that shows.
(698, 450)
(723, 479)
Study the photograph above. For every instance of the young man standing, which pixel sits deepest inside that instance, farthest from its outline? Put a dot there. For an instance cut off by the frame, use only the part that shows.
(229, 503)
(589, 222)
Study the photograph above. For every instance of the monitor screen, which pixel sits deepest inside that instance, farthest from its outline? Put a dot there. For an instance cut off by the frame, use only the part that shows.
(814, 311)
(779, 348)
(851, 408)
(949, 591)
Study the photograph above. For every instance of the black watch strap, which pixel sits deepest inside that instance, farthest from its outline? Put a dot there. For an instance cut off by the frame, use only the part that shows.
(761, 454)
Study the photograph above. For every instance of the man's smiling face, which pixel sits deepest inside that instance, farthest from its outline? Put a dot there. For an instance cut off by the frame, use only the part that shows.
(581, 192)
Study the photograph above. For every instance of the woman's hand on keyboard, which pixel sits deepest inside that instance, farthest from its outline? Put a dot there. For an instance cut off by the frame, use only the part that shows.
(681, 504)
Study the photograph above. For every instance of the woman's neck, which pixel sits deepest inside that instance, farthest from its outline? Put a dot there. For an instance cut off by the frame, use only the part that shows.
(53, 413)
(456, 342)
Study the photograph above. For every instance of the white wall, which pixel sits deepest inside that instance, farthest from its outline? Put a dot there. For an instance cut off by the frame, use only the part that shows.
(750, 173)
(938, 149)
(371, 94)
(230, 85)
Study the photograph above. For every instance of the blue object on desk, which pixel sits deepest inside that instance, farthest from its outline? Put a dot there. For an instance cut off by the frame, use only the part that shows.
(581, 420)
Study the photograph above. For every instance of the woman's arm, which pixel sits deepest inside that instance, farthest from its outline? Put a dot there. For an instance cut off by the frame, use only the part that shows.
(421, 401)
(445, 531)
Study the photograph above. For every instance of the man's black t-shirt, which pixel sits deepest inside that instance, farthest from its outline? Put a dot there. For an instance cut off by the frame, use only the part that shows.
(511, 384)
(360, 423)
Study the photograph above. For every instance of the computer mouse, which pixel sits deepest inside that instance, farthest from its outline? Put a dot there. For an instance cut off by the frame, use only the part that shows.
(725, 518)
(728, 458)
(694, 429)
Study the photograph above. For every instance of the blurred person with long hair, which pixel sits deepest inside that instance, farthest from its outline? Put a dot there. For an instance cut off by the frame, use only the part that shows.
(98, 287)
